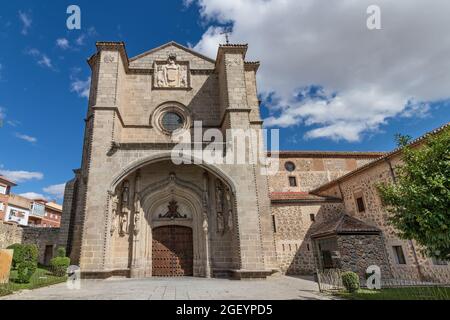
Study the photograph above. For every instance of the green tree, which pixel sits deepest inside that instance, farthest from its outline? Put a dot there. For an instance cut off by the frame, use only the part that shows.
(419, 201)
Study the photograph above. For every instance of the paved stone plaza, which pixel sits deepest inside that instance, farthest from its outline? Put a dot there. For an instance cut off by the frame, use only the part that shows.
(280, 288)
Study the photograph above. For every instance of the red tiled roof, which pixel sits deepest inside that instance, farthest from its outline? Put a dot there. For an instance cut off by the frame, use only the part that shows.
(298, 196)
(328, 154)
(344, 224)
(385, 157)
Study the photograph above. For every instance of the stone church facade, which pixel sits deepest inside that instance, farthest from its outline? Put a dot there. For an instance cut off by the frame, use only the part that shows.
(131, 211)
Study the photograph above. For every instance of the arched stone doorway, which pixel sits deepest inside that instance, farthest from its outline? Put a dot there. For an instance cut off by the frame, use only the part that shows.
(161, 198)
(172, 251)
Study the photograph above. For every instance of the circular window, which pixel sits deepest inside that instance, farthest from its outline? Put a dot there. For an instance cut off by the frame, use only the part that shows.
(289, 166)
(172, 121)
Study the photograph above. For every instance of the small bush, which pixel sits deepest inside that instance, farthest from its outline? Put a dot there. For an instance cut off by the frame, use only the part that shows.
(25, 271)
(25, 258)
(350, 280)
(59, 265)
(17, 254)
(61, 252)
(24, 252)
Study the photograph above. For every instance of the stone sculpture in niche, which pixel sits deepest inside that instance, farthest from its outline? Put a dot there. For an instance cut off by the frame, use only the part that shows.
(137, 205)
(123, 220)
(114, 207)
(171, 74)
(229, 209)
(219, 207)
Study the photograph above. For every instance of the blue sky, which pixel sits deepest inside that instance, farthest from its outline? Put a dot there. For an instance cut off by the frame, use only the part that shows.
(42, 111)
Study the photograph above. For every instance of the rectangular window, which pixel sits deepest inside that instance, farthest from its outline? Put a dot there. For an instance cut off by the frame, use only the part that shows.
(312, 217)
(2, 190)
(439, 262)
(274, 224)
(292, 181)
(2, 206)
(399, 255)
(360, 204)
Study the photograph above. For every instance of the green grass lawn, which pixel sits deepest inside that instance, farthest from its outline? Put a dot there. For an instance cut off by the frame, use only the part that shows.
(410, 293)
(41, 278)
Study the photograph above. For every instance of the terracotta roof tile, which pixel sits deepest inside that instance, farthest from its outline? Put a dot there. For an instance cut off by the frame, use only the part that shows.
(381, 159)
(298, 196)
(344, 224)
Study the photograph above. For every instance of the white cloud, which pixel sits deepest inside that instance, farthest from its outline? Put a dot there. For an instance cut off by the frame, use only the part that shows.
(81, 87)
(2, 113)
(45, 61)
(187, 3)
(21, 176)
(56, 190)
(26, 20)
(26, 137)
(80, 40)
(368, 77)
(13, 123)
(63, 43)
(41, 58)
(32, 195)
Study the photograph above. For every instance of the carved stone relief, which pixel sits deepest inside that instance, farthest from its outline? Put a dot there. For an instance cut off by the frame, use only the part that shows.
(219, 207)
(229, 218)
(114, 215)
(125, 212)
(171, 73)
(137, 205)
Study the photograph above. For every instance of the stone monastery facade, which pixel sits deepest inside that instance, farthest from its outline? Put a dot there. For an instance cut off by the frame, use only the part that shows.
(131, 211)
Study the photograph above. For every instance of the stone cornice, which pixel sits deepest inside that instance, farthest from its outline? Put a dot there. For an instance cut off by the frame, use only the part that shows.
(252, 66)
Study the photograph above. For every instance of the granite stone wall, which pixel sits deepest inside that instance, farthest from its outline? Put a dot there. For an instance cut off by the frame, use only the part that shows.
(42, 237)
(358, 252)
(292, 236)
(364, 184)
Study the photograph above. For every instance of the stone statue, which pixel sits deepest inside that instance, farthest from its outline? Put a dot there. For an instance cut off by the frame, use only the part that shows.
(229, 209)
(137, 203)
(137, 212)
(219, 207)
(125, 193)
(123, 224)
(114, 207)
(123, 220)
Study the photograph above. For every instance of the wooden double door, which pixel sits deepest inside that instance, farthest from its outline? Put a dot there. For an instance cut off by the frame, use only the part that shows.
(172, 252)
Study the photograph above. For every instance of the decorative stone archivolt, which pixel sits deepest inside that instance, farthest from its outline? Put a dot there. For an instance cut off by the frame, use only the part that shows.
(171, 74)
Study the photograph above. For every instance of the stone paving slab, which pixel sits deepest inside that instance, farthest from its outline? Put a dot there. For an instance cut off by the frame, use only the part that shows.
(279, 288)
